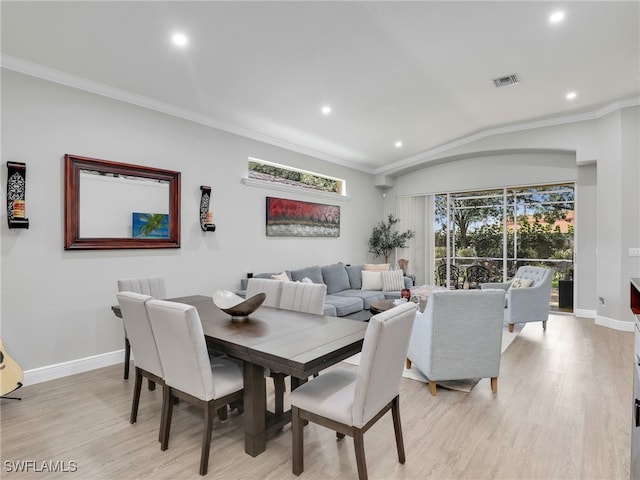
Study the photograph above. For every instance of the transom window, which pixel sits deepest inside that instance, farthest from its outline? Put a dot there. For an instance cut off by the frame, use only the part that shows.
(281, 174)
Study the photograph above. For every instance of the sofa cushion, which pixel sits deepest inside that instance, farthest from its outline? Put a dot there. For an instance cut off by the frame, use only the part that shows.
(355, 276)
(329, 310)
(313, 273)
(377, 267)
(392, 280)
(367, 296)
(335, 278)
(371, 280)
(344, 305)
(391, 295)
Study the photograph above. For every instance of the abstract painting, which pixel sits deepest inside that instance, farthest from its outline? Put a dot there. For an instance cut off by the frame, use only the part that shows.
(291, 218)
(150, 225)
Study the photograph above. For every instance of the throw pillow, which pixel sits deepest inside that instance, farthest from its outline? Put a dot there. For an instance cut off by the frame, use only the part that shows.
(376, 267)
(355, 276)
(521, 282)
(392, 280)
(283, 277)
(335, 278)
(314, 273)
(371, 280)
(306, 280)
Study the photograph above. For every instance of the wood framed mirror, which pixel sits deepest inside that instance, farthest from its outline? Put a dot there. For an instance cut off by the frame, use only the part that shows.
(111, 205)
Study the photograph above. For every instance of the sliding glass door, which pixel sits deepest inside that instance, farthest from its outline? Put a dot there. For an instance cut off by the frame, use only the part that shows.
(501, 230)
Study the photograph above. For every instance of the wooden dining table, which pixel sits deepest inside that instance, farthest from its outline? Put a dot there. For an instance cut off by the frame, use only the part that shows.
(293, 343)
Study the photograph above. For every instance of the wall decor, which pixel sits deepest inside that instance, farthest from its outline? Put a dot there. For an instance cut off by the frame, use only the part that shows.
(206, 217)
(292, 218)
(101, 195)
(16, 189)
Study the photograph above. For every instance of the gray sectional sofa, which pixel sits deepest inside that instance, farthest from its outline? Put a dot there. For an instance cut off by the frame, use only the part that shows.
(345, 296)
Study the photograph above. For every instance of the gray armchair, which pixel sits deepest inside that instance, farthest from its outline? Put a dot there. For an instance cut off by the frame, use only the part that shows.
(459, 336)
(527, 304)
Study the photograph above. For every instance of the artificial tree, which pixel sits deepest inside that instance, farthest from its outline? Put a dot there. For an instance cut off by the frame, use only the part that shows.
(383, 241)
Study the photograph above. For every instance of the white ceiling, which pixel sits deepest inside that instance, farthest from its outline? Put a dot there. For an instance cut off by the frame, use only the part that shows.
(419, 72)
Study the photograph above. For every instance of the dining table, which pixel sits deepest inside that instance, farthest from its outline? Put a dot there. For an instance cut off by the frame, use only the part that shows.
(292, 343)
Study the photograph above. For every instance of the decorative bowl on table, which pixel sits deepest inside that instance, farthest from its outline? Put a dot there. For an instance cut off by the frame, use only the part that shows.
(235, 305)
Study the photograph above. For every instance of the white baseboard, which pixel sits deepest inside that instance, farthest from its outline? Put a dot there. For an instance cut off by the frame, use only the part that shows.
(614, 324)
(582, 313)
(59, 370)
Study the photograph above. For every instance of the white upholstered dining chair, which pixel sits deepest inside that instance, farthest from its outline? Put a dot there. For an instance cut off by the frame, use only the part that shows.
(152, 286)
(147, 362)
(299, 297)
(349, 401)
(271, 288)
(190, 374)
(303, 297)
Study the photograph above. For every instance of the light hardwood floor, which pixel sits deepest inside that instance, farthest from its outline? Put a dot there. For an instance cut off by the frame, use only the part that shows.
(563, 410)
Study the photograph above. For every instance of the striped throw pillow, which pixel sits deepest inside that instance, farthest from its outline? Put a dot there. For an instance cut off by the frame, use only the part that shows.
(392, 280)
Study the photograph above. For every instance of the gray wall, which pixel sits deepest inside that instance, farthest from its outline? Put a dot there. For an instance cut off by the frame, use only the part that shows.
(56, 303)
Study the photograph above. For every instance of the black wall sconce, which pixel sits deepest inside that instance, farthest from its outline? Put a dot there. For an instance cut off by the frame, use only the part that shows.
(206, 217)
(16, 188)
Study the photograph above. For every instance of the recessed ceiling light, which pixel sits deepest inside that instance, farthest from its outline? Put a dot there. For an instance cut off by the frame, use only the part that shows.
(556, 17)
(180, 39)
(326, 110)
(571, 95)
(398, 144)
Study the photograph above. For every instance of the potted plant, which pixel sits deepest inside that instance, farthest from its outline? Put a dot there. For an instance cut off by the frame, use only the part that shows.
(383, 240)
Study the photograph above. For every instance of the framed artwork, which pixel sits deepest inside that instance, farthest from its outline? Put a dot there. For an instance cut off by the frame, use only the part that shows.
(150, 225)
(291, 218)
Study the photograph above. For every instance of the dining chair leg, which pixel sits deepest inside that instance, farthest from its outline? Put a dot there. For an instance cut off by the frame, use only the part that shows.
(136, 397)
(168, 407)
(358, 443)
(163, 414)
(297, 442)
(397, 427)
(209, 414)
(127, 357)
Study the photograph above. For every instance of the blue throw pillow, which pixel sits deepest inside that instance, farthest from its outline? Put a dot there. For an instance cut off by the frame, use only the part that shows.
(314, 273)
(355, 276)
(336, 278)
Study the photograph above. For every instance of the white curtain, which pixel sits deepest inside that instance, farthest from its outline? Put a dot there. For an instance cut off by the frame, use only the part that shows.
(416, 213)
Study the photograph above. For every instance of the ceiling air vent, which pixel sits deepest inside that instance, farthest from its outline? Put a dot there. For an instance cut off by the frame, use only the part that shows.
(506, 80)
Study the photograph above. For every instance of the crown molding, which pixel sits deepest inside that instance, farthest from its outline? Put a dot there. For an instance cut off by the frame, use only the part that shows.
(80, 83)
(550, 122)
